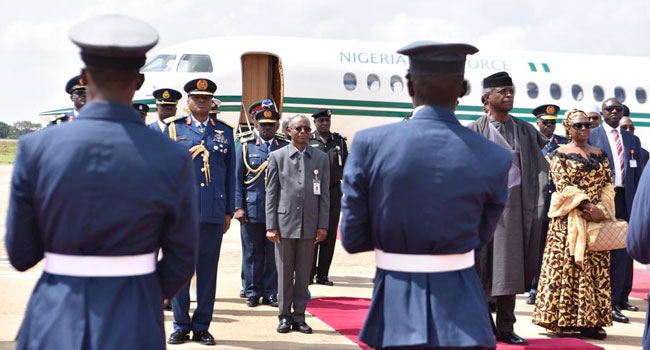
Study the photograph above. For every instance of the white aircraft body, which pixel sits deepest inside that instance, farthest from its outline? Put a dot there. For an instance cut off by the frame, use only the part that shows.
(363, 82)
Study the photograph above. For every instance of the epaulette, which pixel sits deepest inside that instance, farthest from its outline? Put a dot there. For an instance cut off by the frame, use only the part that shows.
(224, 123)
(281, 136)
(174, 118)
(245, 136)
(57, 117)
(339, 135)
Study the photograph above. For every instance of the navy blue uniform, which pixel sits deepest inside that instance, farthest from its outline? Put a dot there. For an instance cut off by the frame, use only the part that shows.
(78, 189)
(260, 274)
(401, 196)
(638, 236)
(216, 198)
(553, 144)
(63, 118)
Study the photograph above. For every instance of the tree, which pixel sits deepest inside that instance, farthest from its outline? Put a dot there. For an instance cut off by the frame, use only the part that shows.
(5, 130)
(22, 128)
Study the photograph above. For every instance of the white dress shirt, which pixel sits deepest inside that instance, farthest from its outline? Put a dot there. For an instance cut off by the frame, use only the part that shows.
(161, 125)
(618, 174)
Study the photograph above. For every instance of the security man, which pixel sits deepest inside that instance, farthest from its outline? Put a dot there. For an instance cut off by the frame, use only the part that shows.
(142, 109)
(85, 213)
(211, 145)
(77, 91)
(166, 103)
(252, 159)
(546, 121)
(336, 148)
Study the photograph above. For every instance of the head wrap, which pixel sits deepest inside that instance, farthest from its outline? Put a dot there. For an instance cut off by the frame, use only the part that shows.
(569, 116)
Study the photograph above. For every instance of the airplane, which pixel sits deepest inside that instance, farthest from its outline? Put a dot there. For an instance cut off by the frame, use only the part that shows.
(363, 82)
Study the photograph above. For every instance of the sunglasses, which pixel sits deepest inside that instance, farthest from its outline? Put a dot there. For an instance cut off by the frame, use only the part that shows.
(594, 118)
(302, 128)
(79, 92)
(578, 126)
(628, 128)
(548, 122)
(613, 108)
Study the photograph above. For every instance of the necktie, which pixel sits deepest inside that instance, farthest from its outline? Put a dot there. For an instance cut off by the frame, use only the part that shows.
(202, 128)
(621, 156)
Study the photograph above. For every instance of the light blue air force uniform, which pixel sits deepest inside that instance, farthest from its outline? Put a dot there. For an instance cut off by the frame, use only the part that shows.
(216, 198)
(427, 186)
(260, 274)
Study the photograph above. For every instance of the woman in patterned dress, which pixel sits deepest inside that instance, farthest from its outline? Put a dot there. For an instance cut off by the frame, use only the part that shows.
(574, 286)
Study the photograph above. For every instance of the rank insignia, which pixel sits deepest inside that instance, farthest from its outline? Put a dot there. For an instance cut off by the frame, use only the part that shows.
(202, 84)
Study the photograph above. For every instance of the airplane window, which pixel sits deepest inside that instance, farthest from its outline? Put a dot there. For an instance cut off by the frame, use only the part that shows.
(195, 63)
(373, 82)
(556, 91)
(532, 89)
(396, 83)
(619, 93)
(350, 81)
(599, 94)
(641, 96)
(160, 63)
(576, 91)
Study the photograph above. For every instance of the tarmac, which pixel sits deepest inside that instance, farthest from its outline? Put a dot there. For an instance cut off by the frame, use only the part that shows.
(236, 326)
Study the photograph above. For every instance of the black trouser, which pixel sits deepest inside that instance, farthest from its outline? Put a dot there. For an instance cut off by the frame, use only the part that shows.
(619, 269)
(324, 251)
(533, 283)
(505, 313)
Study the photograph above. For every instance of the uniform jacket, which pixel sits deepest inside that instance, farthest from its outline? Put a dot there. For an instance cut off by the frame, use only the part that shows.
(631, 150)
(103, 185)
(430, 186)
(291, 205)
(252, 197)
(67, 117)
(217, 196)
(337, 152)
(553, 144)
(156, 127)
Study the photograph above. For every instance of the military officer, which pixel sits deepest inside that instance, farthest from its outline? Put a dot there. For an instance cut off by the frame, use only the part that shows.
(252, 159)
(546, 121)
(211, 145)
(77, 91)
(142, 109)
(214, 107)
(166, 103)
(81, 210)
(424, 213)
(336, 148)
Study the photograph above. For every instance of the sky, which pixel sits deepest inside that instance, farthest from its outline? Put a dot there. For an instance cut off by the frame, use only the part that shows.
(37, 59)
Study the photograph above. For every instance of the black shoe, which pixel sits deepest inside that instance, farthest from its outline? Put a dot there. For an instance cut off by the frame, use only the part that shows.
(512, 338)
(253, 302)
(273, 301)
(597, 333)
(242, 294)
(178, 337)
(284, 326)
(627, 306)
(324, 281)
(530, 300)
(618, 316)
(301, 327)
(203, 337)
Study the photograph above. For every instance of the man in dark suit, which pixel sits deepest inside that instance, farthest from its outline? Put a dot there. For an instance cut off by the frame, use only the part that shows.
(77, 91)
(425, 213)
(627, 124)
(87, 212)
(297, 215)
(210, 143)
(623, 150)
(638, 238)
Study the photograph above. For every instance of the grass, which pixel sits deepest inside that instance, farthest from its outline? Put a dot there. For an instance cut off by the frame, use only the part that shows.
(7, 151)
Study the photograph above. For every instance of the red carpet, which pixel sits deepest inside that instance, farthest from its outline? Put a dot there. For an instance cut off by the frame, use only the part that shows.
(346, 316)
(641, 284)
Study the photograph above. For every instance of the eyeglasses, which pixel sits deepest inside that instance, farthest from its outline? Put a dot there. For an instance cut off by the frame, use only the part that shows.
(302, 128)
(594, 118)
(578, 126)
(614, 108)
(548, 122)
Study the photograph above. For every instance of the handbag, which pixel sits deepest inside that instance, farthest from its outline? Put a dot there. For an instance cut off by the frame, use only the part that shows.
(610, 236)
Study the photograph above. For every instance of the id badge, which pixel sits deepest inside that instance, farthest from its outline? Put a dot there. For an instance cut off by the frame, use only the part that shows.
(317, 187)
(632, 163)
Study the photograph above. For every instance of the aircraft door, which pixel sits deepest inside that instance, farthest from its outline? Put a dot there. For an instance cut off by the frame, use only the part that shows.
(262, 78)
